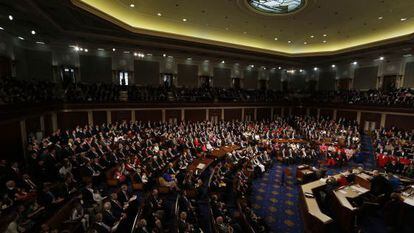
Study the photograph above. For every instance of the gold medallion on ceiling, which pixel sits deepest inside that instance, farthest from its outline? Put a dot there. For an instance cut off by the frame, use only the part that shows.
(273, 7)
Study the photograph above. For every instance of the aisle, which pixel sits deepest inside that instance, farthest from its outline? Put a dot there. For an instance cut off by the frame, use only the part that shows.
(278, 205)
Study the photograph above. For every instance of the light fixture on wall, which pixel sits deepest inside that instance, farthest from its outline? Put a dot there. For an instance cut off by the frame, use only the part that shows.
(21, 38)
(11, 17)
(333, 65)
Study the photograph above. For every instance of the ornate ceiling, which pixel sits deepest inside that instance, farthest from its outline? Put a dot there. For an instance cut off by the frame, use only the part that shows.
(319, 27)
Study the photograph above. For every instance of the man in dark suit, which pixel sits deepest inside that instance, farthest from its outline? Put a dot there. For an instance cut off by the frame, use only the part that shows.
(380, 185)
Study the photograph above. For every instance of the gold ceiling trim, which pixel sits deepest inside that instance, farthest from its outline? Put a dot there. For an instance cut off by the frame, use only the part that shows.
(91, 9)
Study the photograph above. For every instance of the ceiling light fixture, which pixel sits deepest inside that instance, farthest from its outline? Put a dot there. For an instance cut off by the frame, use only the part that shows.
(164, 55)
(312, 36)
(324, 41)
(315, 68)
(40, 42)
(289, 41)
(81, 49)
(184, 20)
(135, 54)
(132, 5)
(11, 17)
(222, 62)
(76, 48)
(381, 58)
(276, 38)
(403, 19)
(333, 65)
(1, 28)
(305, 42)
(113, 49)
(159, 14)
(21, 38)
(380, 17)
(324, 35)
(33, 32)
(279, 68)
(355, 63)
(86, 50)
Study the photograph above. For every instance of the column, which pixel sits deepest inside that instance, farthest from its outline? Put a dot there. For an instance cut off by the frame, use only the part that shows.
(90, 118)
(133, 118)
(318, 113)
(359, 117)
(23, 136)
(242, 114)
(383, 119)
(222, 114)
(272, 110)
(207, 113)
(42, 124)
(108, 117)
(163, 115)
(255, 114)
(182, 115)
(335, 112)
(54, 121)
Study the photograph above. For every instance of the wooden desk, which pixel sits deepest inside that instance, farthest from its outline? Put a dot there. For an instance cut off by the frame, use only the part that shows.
(193, 166)
(222, 151)
(304, 174)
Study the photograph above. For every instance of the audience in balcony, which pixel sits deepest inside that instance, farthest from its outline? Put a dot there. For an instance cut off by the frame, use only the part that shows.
(14, 91)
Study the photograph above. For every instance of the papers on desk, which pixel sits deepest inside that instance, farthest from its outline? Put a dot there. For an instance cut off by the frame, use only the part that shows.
(409, 201)
(343, 191)
(201, 166)
(359, 189)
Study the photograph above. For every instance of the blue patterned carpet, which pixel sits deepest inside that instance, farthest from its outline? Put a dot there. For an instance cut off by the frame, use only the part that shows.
(278, 205)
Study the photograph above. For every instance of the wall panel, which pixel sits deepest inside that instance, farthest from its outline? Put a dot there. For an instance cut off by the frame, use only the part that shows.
(148, 115)
(147, 73)
(69, 120)
(232, 114)
(263, 114)
(95, 69)
(400, 121)
(120, 116)
(99, 117)
(222, 77)
(366, 77)
(409, 75)
(348, 115)
(195, 115)
(187, 75)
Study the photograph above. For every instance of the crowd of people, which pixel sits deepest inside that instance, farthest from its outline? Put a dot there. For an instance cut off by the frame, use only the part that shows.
(13, 91)
(107, 173)
(395, 150)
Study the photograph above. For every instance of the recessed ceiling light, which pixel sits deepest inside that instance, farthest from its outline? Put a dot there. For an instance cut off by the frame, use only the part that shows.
(40, 42)
(1, 28)
(333, 65)
(355, 63)
(380, 17)
(324, 35)
(135, 54)
(164, 55)
(86, 50)
(81, 49)
(305, 42)
(276, 38)
(381, 58)
(289, 41)
(279, 68)
(132, 5)
(33, 32)
(324, 41)
(114, 49)
(76, 48)
(252, 66)
(159, 14)
(301, 70)
(403, 19)
(312, 36)
(21, 38)
(315, 68)
(223, 62)
(184, 20)
(11, 17)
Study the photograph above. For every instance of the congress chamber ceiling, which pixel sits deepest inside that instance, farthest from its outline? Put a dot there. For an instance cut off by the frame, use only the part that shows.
(285, 27)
